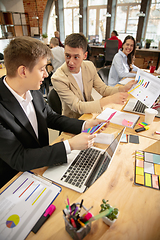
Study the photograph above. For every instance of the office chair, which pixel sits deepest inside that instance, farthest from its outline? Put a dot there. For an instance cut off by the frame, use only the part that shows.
(54, 101)
(103, 74)
(110, 50)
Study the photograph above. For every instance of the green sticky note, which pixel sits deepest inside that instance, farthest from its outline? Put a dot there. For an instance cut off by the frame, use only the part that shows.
(148, 180)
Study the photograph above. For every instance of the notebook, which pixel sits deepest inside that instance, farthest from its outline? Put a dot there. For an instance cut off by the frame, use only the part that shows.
(84, 167)
(136, 106)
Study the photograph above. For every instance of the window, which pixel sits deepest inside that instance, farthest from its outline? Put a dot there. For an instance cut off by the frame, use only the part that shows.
(51, 23)
(127, 25)
(153, 26)
(71, 16)
(96, 18)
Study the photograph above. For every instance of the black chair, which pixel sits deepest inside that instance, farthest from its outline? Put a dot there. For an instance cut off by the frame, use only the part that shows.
(54, 101)
(103, 74)
(110, 50)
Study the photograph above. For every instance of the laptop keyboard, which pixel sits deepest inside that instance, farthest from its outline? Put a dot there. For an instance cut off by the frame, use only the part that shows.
(139, 107)
(81, 166)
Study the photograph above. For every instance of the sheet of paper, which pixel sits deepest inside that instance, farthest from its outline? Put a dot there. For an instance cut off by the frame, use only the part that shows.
(125, 81)
(23, 203)
(148, 90)
(121, 118)
(104, 138)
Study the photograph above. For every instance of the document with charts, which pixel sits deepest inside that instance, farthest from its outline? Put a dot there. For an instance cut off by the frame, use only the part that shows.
(23, 203)
(147, 88)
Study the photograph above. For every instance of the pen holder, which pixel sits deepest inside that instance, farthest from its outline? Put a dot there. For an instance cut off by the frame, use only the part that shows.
(73, 232)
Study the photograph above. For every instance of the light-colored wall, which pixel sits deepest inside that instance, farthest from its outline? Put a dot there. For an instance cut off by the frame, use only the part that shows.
(11, 5)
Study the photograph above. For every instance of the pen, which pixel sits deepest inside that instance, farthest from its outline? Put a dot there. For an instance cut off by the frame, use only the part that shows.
(142, 129)
(69, 204)
(156, 132)
(43, 218)
(76, 209)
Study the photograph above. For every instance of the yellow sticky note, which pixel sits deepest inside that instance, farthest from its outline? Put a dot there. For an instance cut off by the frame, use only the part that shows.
(139, 171)
(157, 169)
(140, 179)
(148, 179)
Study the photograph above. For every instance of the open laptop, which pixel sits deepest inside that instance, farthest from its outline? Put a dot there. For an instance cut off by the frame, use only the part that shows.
(84, 167)
(136, 106)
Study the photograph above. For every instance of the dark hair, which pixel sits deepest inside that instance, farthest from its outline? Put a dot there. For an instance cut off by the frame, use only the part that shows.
(115, 32)
(131, 55)
(24, 51)
(76, 40)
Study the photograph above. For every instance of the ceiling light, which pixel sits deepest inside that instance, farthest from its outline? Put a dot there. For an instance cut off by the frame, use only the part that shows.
(107, 14)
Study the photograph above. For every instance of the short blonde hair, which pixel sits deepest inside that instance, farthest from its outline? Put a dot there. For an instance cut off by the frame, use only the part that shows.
(54, 41)
(24, 51)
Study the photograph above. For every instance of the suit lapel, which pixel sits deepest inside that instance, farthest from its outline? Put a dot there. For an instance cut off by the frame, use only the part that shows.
(12, 105)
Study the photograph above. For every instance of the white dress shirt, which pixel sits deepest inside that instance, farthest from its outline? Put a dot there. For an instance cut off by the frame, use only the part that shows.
(120, 69)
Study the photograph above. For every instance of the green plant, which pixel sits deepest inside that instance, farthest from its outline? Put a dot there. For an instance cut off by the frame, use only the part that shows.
(44, 35)
(105, 205)
(149, 41)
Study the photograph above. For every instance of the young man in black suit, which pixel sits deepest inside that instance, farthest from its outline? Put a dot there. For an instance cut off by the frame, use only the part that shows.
(25, 117)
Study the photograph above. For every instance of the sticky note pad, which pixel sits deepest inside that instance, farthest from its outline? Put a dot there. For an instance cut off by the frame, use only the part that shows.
(148, 179)
(157, 169)
(156, 158)
(148, 167)
(127, 123)
(140, 179)
(139, 171)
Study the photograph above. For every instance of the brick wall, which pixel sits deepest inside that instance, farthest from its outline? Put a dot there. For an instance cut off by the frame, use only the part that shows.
(30, 8)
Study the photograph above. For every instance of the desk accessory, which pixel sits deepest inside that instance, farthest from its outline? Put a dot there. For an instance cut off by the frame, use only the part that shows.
(112, 216)
(25, 200)
(142, 129)
(147, 169)
(75, 224)
(44, 218)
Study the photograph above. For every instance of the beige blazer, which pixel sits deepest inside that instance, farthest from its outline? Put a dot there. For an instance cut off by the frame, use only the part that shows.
(72, 99)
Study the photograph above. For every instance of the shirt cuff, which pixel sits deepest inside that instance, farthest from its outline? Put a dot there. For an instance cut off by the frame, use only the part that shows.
(83, 126)
(67, 146)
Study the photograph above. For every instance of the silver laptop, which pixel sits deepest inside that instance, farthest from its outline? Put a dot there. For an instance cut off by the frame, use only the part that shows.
(84, 167)
(136, 106)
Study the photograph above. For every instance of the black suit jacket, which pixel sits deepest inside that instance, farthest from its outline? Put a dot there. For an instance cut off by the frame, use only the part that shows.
(20, 149)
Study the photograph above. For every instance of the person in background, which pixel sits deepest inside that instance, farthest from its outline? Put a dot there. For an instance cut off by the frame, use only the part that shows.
(122, 62)
(76, 78)
(25, 117)
(114, 35)
(56, 34)
(58, 54)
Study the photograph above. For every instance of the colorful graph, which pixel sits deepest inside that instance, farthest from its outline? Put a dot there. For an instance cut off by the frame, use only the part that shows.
(142, 82)
(12, 221)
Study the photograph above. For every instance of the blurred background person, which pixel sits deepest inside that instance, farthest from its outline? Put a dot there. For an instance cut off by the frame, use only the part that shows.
(56, 34)
(58, 54)
(114, 35)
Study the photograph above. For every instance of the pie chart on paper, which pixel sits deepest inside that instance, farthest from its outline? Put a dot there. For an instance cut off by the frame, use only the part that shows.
(12, 221)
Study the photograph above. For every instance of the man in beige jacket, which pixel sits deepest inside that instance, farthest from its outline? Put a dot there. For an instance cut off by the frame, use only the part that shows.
(75, 79)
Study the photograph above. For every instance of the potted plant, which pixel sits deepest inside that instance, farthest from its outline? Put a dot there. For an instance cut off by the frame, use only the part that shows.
(112, 217)
(45, 38)
(148, 42)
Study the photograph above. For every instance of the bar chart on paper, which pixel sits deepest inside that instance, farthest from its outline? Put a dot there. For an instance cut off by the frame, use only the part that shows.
(22, 204)
(147, 88)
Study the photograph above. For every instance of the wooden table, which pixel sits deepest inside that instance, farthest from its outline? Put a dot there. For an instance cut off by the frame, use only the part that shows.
(139, 206)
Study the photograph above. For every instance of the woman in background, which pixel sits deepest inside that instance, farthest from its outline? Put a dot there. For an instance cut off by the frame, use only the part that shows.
(122, 62)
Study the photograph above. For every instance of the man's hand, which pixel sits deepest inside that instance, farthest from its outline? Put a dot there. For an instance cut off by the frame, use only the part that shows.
(118, 98)
(127, 87)
(81, 141)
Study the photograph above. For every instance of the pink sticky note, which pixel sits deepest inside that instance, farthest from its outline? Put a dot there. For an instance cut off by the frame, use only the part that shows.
(127, 123)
